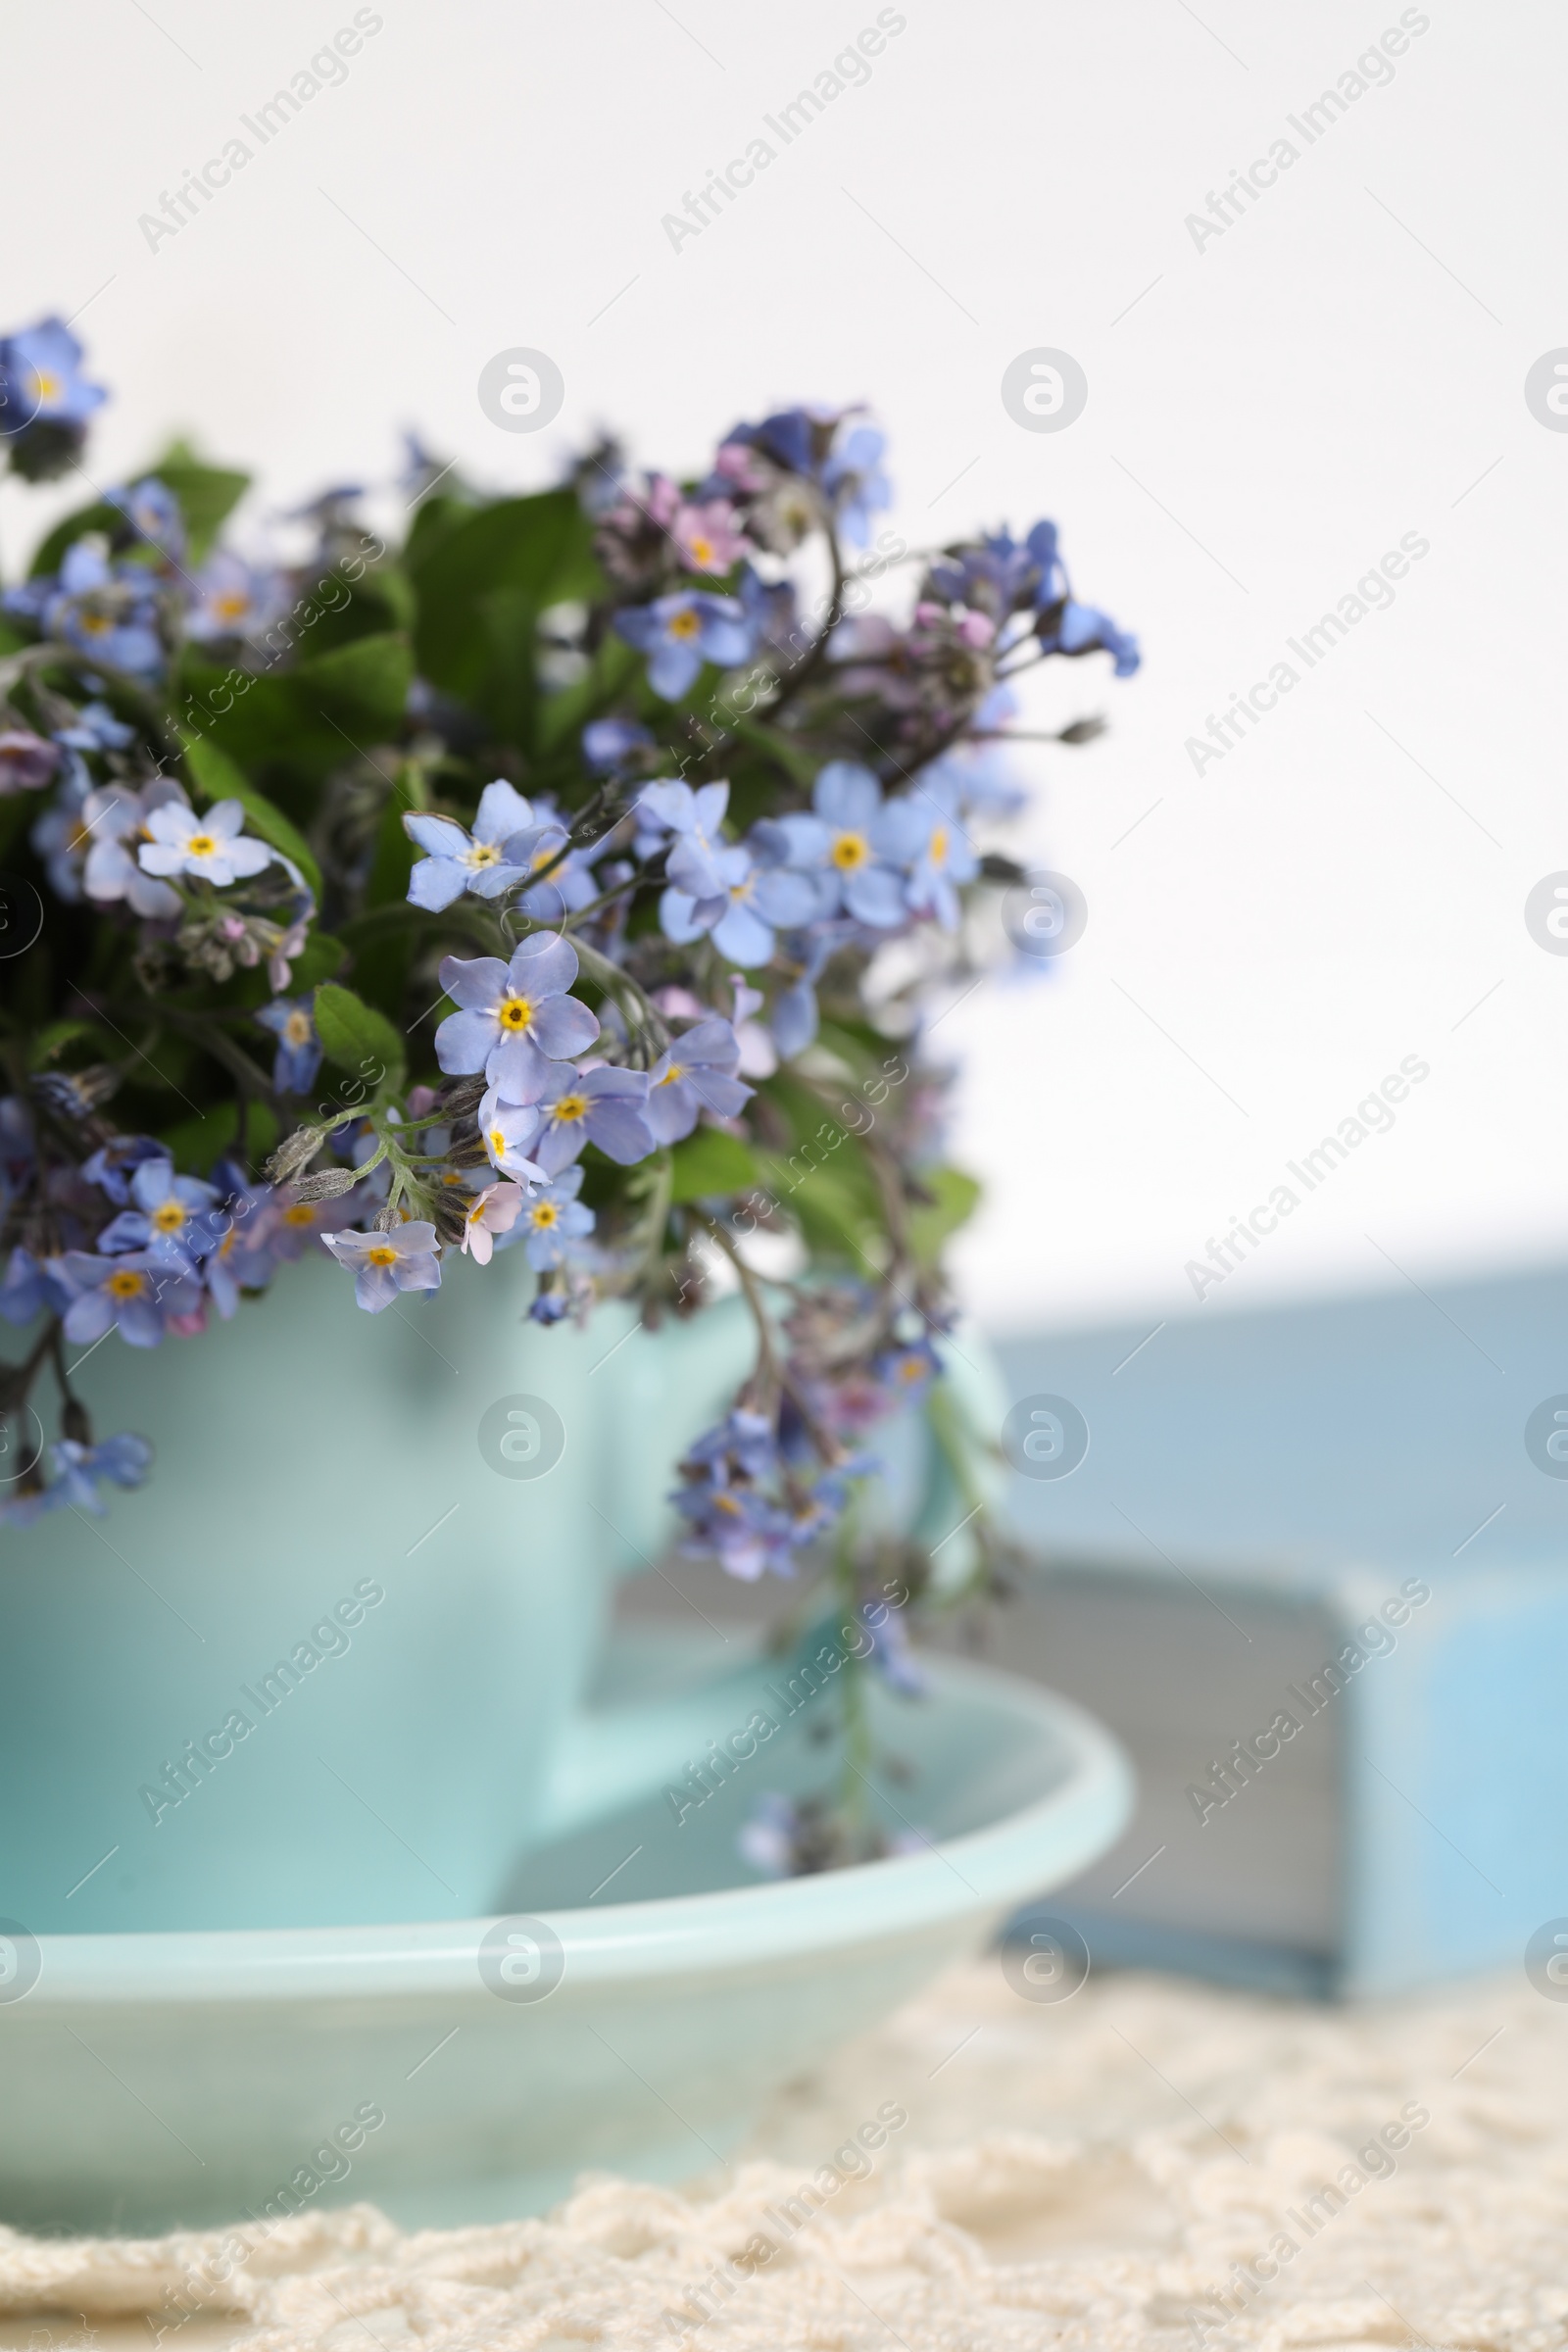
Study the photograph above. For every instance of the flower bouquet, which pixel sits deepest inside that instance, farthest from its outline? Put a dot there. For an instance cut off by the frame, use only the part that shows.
(563, 880)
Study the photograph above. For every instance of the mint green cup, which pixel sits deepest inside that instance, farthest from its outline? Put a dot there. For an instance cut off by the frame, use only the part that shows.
(326, 1666)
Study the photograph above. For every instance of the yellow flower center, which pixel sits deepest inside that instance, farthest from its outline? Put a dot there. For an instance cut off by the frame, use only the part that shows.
(727, 1503)
(300, 1212)
(297, 1029)
(169, 1216)
(452, 1178)
(201, 845)
(127, 1284)
(673, 1072)
(703, 553)
(498, 1142)
(479, 1208)
(383, 1254)
(232, 604)
(937, 850)
(545, 1214)
(572, 1107)
(95, 624)
(912, 1368)
(81, 836)
(516, 1013)
(685, 622)
(482, 853)
(45, 385)
(850, 850)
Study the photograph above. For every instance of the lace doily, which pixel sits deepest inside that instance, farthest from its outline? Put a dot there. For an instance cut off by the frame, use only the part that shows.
(1124, 2170)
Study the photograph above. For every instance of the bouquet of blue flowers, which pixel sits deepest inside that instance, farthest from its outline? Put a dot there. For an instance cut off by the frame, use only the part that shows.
(571, 880)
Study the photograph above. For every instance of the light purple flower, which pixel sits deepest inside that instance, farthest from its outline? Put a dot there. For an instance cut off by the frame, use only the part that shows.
(697, 1074)
(241, 1259)
(508, 1130)
(291, 1224)
(95, 728)
(41, 379)
(292, 1022)
(695, 818)
(116, 818)
(554, 1219)
(26, 760)
(31, 1288)
(742, 913)
(210, 846)
(99, 607)
(125, 1460)
(61, 837)
(612, 746)
(113, 1167)
(233, 599)
(513, 1019)
(480, 862)
(153, 512)
(857, 847)
(767, 1837)
(171, 1217)
(680, 633)
(948, 859)
(133, 1294)
(606, 1106)
(794, 1018)
(385, 1263)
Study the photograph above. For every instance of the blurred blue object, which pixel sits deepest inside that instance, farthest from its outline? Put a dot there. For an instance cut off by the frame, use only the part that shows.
(1346, 1789)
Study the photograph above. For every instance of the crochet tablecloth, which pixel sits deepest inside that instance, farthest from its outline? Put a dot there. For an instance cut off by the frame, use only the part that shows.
(1146, 2163)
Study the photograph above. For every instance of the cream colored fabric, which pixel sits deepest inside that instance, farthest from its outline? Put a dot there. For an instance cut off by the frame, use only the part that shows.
(1077, 2176)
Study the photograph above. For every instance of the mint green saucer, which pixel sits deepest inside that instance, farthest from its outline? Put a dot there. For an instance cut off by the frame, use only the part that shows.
(155, 2079)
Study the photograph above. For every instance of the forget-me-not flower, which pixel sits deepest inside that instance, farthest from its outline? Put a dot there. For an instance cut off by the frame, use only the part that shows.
(385, 1263)
(554, 1219)
(292, 1022)
(210, 846)
(455, 860)
(697, 1074)
(606, 1107)
(680, 633)
(169, 1217)
(513, 1019)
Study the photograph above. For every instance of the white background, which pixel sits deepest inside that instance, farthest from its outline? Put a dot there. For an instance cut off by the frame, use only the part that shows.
(1344, 366)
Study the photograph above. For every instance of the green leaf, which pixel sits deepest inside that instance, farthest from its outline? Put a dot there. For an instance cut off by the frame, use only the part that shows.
(539, 547)
(355, 1037)
(207, 494)
(217, 779)
(50, 1042)
(564, 714)
(97, 517)
(319, 957)
(309, 720)
(957, 1198)
(197, 1142)
(709, 1165)
(363, 686)
(837, 1214)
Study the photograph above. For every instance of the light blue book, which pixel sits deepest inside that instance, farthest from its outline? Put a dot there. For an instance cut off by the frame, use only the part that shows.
(1313, 1570)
